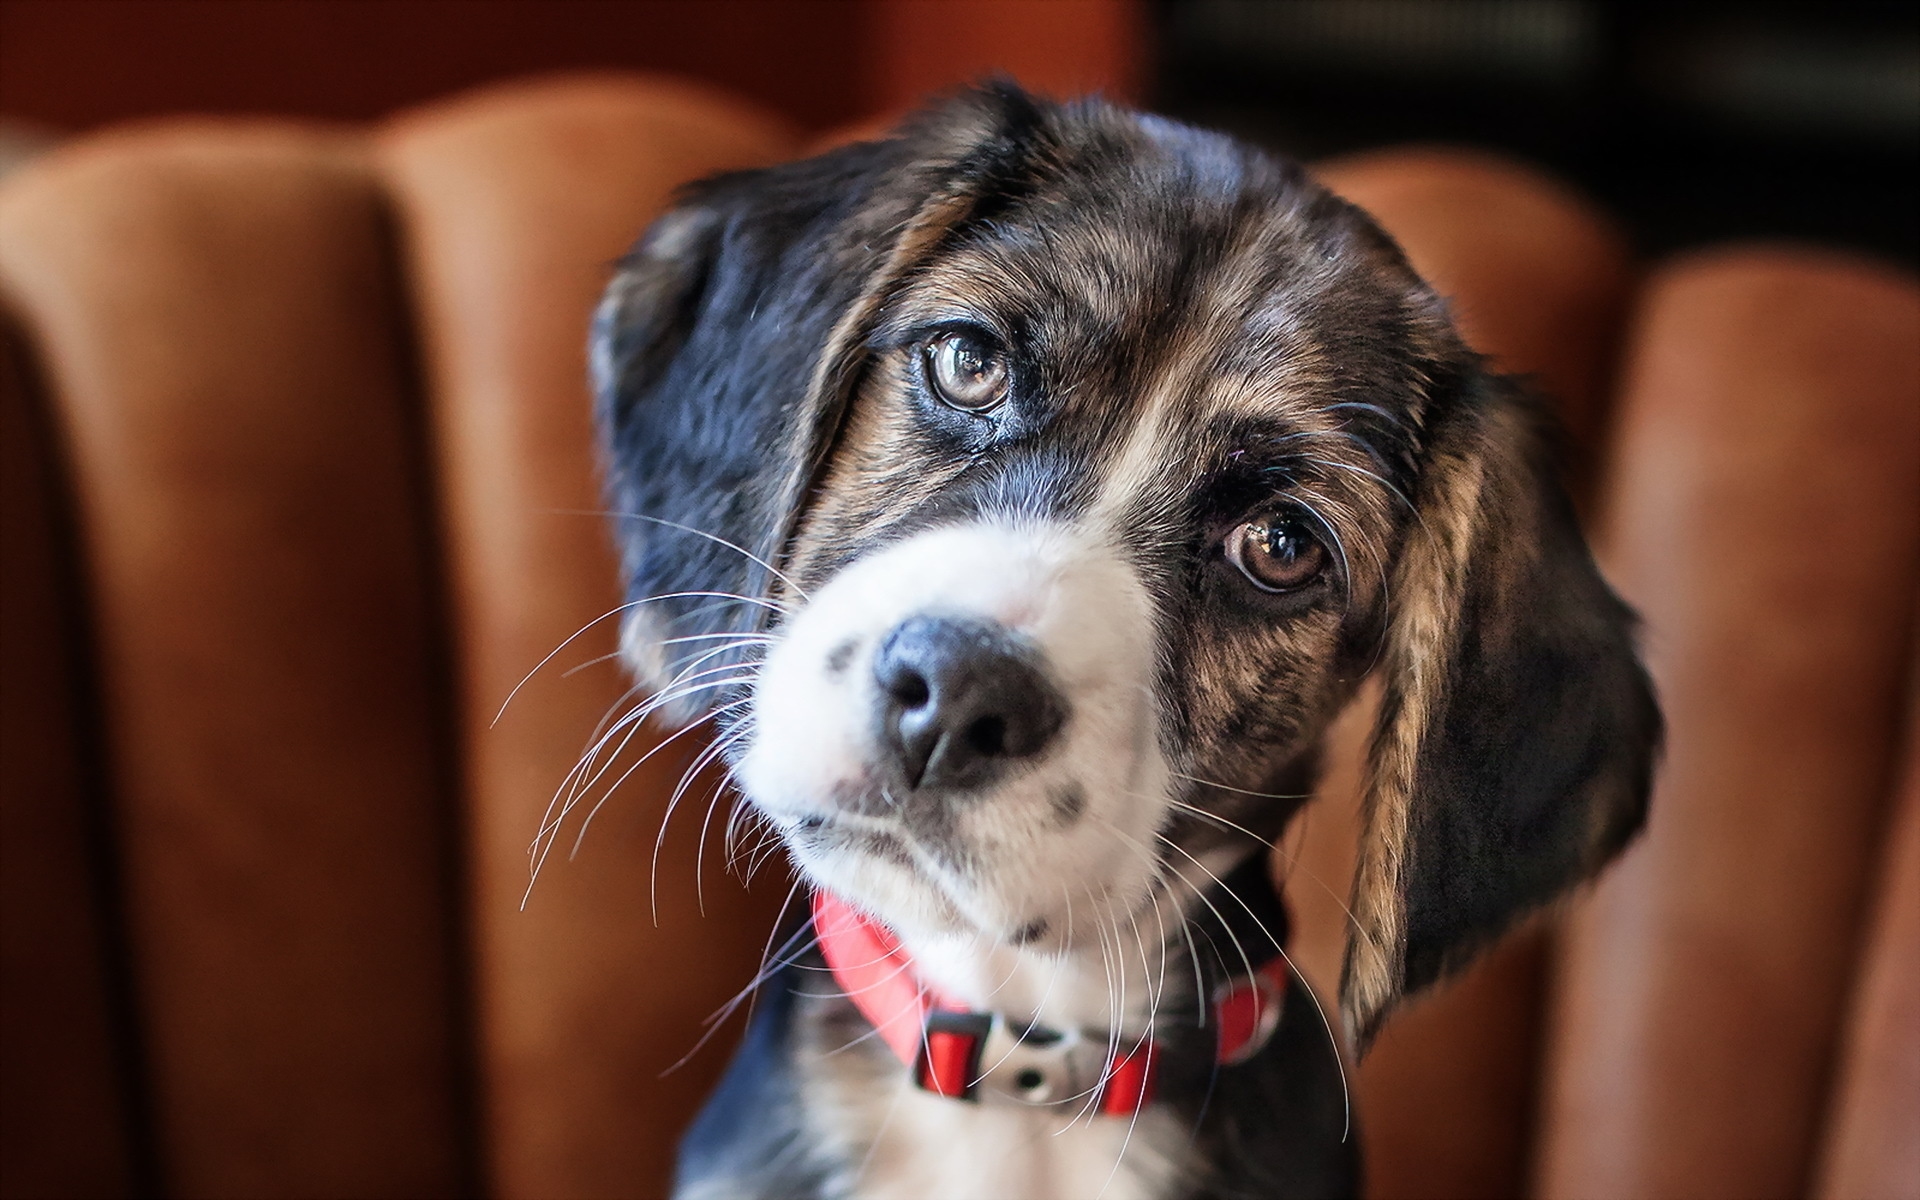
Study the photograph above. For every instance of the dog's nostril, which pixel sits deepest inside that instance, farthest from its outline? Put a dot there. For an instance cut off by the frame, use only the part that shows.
(988, 735)
(910, 689)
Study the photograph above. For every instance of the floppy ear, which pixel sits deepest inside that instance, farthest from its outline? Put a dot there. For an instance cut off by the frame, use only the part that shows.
(727, 347)
(1517, 730)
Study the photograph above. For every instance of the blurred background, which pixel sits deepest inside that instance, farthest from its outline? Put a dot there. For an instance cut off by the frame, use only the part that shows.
(299, 485)
(1691, 119)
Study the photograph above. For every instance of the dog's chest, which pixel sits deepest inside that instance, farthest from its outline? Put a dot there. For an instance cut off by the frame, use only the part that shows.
(927, 1147)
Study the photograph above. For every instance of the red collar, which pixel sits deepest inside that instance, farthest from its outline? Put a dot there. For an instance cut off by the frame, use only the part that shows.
(976, 1056)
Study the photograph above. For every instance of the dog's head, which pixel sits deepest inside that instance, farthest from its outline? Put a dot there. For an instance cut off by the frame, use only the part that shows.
(1024, 493)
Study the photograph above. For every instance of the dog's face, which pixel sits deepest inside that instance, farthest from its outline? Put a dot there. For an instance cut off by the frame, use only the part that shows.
(1077, 466)
(1114, 491)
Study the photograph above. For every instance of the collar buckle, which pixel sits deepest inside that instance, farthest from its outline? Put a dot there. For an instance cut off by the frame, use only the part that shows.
(983, 1058)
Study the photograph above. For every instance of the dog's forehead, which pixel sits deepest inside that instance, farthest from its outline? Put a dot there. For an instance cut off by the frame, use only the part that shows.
(1151, 256)
(1192, 327)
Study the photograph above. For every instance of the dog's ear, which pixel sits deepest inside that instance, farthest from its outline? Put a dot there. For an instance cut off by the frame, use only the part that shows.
(1517, 729)
(726, 349)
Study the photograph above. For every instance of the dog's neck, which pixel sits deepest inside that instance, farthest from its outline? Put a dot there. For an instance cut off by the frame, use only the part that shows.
(1119, 972)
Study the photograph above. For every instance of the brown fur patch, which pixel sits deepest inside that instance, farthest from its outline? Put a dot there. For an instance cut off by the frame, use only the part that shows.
(1428, 584)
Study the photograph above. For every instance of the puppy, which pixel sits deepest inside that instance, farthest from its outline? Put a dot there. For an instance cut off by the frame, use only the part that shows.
(1019, 497)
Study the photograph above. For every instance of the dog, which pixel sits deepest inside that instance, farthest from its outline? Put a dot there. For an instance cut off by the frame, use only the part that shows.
(1019, 496)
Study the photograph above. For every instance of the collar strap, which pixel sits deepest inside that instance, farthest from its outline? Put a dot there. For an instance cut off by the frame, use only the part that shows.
(982, 1057)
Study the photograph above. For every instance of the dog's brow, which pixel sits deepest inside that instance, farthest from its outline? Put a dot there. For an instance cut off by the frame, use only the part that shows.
(914, 315)
(1267, 439)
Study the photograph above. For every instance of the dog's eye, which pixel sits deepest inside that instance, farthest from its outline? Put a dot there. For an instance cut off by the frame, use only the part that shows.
(967, 373)
(1276, 553)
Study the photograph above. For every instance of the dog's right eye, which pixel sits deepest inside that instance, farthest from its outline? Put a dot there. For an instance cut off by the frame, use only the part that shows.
(1276, 554)
(967, 373)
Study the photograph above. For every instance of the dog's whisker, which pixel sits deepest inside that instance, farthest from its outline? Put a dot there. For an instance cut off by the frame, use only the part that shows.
(1146, 968)
(1375, 409)
(742, 818)
(1227, 787)
(687, 674)
(1384, 483)
(1326, 1023)
(1155, 996)
(1196, 811)
(712, 753)
(764, 851)
(1339, 544)
(873, 1032)
(1291, 858)
(576, 668)
(1193, 954)
(744, 821)
(721, 787)
(681, 691)
(1113, 968)
(669, 740)
(769, 850)
(1246, 960)
(630, 723)
(700, 760)
(730, 602)
(752, 840)
(594, 741)
(1116, 1005)
(616, 611)
(777, 573)
(1053, 977)
(569, 784)
(1133, 1118)
(771, 963)
(734, 637)
(1160, 926)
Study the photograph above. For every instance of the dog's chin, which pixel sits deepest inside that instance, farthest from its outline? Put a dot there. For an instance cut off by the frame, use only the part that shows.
(1043, 894)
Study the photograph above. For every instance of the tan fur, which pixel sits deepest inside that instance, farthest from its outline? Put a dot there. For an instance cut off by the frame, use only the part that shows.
(839, 363)
(1427, 589)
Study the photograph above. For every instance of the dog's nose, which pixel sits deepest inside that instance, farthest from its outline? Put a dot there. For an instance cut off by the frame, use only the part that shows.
(959, 698)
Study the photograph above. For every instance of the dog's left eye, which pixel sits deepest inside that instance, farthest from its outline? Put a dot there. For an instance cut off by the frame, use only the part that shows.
(1277, 554)
(967, 373)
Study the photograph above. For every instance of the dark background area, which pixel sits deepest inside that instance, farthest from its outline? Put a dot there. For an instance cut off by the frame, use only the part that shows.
(1692, 121)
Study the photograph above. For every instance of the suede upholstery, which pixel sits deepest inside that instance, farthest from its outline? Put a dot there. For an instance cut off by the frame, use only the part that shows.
(247, 492)
(1763, 512)
(299, 486)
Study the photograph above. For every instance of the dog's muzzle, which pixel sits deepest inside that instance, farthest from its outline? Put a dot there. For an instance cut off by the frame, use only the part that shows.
(958, 730)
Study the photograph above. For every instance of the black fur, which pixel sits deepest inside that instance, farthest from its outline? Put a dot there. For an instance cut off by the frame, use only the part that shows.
(1546, 702)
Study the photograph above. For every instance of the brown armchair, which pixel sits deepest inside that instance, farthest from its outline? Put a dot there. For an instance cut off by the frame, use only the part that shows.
(299, 484)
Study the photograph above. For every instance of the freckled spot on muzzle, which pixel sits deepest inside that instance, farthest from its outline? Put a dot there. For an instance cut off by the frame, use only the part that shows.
(839, 657)
(1031, 932)
(1069, 802)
